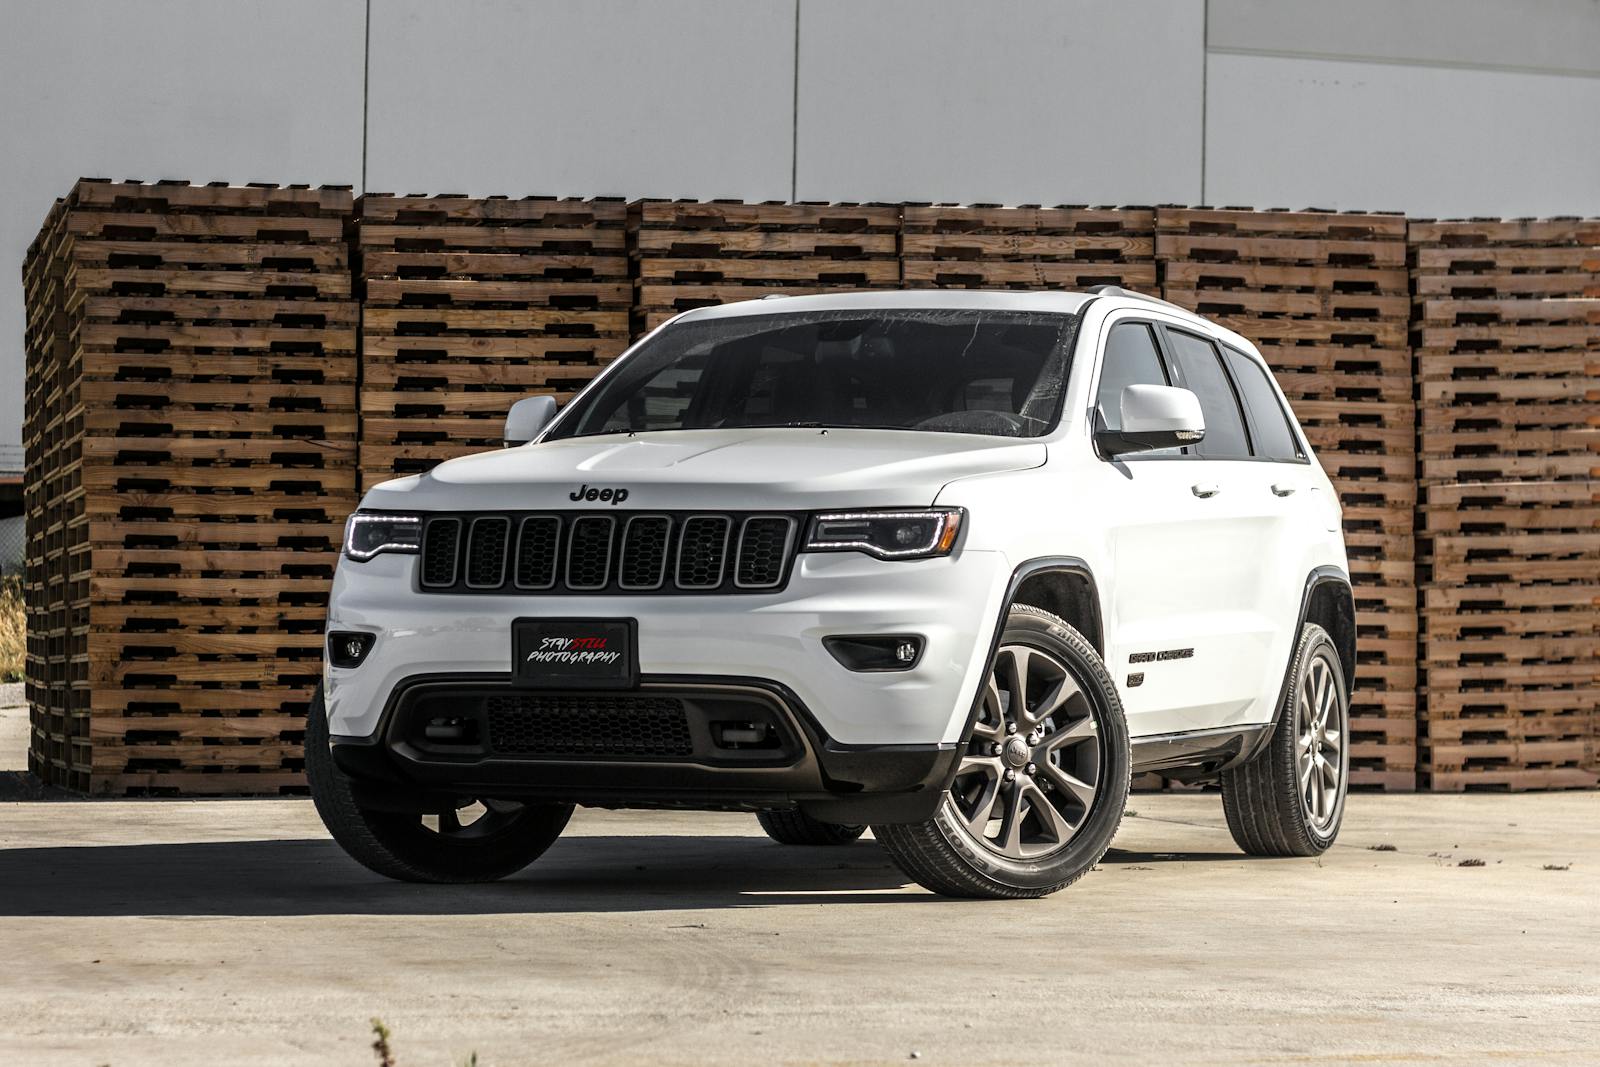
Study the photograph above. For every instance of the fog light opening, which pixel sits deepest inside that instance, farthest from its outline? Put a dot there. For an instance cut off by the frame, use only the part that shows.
(876, 652)
(348, 649)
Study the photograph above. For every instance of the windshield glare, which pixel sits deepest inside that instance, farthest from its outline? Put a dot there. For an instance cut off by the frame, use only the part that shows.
(947, 371)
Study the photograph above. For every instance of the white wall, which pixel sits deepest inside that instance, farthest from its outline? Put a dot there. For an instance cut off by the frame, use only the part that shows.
(1434, 107)
(1019, 101)
(247, 90)
(692, 98)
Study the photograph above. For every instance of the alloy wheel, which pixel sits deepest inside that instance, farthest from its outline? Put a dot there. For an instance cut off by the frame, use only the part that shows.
(1033, 767)
(1320, 731)
(475, 819)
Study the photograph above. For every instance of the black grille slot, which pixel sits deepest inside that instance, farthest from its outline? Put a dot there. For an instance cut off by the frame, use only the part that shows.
(559, 725)
(441, 548)
(606, 552)
(537, 551)
(589, 552)
(486, 552)
(702, 551)
(763, 551)
(644, 552)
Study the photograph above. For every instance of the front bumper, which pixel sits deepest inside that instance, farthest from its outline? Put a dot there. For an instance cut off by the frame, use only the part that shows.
(953, 602)
(660, 745)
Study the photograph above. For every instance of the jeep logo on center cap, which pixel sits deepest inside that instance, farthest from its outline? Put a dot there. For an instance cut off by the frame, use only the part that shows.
(591, 492)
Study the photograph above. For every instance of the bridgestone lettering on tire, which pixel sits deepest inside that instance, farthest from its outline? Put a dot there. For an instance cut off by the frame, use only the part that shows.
(1043, 778)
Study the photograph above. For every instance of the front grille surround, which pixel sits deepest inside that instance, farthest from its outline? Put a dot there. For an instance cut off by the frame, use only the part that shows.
(593, 553)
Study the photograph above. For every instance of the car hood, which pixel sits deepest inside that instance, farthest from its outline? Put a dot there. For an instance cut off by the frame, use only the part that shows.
(779, 469)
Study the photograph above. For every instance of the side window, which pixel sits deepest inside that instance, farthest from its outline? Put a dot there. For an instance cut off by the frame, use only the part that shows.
(1200, 367)
(1269, 422)
(1131, 359)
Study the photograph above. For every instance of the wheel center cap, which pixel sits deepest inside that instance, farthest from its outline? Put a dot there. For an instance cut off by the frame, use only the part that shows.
(1016, 752)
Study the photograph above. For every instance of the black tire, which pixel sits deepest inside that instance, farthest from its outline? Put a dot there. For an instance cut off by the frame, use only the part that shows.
(401, 846)
(794, 827)
(944, 855)
(1268, 814)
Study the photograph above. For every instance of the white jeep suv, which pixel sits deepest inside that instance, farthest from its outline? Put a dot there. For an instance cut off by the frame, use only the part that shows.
(951, 564)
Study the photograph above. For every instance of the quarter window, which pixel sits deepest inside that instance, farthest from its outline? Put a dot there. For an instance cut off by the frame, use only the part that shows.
(1201, 369)
(1269, 422)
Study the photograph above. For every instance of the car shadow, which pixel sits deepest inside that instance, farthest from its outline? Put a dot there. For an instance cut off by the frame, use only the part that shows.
(600, 873)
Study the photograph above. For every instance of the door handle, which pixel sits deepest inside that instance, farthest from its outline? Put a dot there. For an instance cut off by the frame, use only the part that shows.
(1205, 489)
(1279, 489)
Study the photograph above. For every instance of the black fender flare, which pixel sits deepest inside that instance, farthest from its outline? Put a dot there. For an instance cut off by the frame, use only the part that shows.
(1335, 577)
(1025, 570)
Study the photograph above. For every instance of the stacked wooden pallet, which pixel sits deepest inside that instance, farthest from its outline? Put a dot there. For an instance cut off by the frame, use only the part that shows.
(1508, 367)
(56, 531)
(191, 452)
(1028, 247)
(470, 305)
(1325, 297)
(689, 254)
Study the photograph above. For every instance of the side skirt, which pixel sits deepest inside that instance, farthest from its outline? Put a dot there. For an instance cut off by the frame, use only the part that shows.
(1199, 755)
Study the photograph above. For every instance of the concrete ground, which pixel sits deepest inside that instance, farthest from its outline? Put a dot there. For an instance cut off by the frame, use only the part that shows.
(205, 932)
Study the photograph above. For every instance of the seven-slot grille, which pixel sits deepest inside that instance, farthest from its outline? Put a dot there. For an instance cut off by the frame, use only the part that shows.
(644, 552)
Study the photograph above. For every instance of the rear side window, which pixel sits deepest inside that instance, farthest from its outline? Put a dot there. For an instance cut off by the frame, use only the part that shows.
(1201, 369)
(1131, 359)
(1269, 423)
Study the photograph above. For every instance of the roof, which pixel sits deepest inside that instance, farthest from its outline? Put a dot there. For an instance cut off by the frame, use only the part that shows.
(1061, 302)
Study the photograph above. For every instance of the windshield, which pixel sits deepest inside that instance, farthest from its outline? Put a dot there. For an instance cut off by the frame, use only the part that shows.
(945, 370)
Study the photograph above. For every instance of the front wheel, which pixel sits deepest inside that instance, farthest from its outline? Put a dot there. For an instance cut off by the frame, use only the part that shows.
(1289, 799)
(474, 841)
(1043, 777)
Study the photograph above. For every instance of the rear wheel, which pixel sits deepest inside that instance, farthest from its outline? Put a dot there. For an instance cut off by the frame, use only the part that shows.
(474, 841)
(1289, 799)
(1043, 777)
(797, 828)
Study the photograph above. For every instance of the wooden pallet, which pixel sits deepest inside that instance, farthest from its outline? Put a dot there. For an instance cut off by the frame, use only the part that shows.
(192, 397)
(1507, 332)
(1324, 296)
(1028, 247)
(469, 305)
(688, 254)
(1511, 645)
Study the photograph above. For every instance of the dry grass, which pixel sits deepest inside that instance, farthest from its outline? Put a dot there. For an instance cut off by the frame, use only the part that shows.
(13, 630)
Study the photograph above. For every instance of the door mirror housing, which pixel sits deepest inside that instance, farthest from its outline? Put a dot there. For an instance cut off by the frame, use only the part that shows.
(1153, 416)
(527, 419)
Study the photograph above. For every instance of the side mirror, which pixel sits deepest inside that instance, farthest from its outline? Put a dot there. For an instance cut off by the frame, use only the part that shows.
(1154, 416)
(527, 418)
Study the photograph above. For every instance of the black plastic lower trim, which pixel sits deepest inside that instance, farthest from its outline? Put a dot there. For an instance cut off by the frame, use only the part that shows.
(1199, 755)
(807, 769)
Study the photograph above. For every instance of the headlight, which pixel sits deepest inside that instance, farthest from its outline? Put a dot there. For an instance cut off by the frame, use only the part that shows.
(367, 533)
(887, 534)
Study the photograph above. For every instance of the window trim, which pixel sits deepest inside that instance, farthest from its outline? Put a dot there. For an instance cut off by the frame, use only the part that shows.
(1302, 455)
(1102, 346)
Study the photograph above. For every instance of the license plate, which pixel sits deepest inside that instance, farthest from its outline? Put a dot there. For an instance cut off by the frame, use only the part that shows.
(575, 653)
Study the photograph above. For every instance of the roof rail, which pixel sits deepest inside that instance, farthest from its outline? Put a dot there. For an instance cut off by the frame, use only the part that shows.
(1117, 290)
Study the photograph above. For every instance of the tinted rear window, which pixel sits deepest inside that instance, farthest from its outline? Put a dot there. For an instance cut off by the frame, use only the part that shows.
(1201, 368)
(1269, 423)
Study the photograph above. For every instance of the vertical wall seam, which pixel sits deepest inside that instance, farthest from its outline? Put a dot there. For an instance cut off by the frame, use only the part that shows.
(794, 114)
(366, 82)
(1205, 79)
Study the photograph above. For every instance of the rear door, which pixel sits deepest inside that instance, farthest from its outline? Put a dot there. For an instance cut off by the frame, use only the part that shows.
(1284, 478)
(1252, 506)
